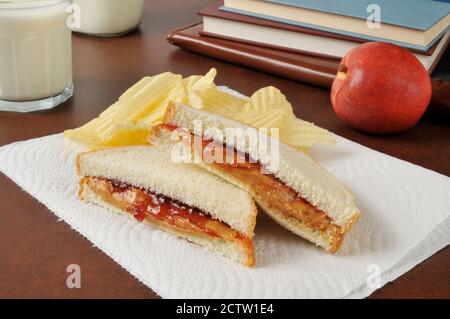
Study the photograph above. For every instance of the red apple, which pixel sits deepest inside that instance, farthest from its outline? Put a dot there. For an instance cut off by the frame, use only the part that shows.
(380, 88)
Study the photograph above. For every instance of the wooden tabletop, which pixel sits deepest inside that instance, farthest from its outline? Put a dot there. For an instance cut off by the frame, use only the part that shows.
(35, 248)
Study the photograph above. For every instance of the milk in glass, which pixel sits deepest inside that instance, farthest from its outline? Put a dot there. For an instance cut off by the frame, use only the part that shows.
(35, 54)
(109, 17)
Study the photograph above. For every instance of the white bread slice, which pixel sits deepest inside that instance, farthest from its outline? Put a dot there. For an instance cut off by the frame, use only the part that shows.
(230, 249)
(298, 171)
(152, 168)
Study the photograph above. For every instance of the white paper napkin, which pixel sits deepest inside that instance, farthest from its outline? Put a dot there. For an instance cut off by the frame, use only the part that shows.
(405, 219)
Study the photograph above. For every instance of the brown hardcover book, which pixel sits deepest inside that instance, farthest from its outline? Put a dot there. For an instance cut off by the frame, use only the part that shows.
(215, 12)
(298, 67)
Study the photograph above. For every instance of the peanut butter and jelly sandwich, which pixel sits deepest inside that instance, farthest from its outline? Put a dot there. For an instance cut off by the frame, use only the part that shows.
(298, 193)
(144, 183)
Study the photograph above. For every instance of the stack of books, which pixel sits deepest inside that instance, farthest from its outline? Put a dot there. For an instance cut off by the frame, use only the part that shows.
(306, 39)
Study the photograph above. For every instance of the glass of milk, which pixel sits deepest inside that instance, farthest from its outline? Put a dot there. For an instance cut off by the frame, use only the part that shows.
(35, 54)
(108, 18)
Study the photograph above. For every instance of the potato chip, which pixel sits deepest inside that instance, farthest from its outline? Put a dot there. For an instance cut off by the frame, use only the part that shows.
(129, 120)
(202, 93)
(155, 116)
(134, 89)
(127, 134)
(159, 90)
(222, 103)
(304, 134)
(87, 135)
(263, 119)
(137, 109)
(201, 82)
(269, 108)
(267, 99)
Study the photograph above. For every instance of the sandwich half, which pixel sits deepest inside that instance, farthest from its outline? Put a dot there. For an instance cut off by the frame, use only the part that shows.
(299, 193)
(144, 183)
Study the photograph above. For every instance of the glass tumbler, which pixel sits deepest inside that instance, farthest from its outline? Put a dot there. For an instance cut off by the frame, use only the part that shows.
(35, 54)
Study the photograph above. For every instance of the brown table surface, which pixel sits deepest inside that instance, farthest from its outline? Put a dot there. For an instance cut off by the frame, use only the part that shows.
(35, 248)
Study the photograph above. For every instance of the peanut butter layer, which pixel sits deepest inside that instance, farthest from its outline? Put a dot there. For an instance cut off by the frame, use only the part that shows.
(275, 194)
(146, 205)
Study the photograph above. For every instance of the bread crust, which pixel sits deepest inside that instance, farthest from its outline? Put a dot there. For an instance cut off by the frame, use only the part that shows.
(170, 112)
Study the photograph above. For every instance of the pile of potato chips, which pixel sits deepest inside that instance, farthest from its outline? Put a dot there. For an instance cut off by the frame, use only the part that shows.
(129, 120)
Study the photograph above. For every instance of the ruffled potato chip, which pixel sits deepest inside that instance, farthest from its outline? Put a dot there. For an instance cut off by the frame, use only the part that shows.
(133, 114)
(267, 99)
(200, 82)
(263, 119)
(202, 93)
(127, 134)
(129, 120)
(269, 108)
(135, 88)
(222, 103)
(304, 134)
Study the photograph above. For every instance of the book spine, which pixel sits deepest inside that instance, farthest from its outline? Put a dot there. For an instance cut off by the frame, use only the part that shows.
(361, 36)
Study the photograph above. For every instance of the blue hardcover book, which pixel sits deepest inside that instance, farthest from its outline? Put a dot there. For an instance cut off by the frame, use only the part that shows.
(413, 14)
(419, 15)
